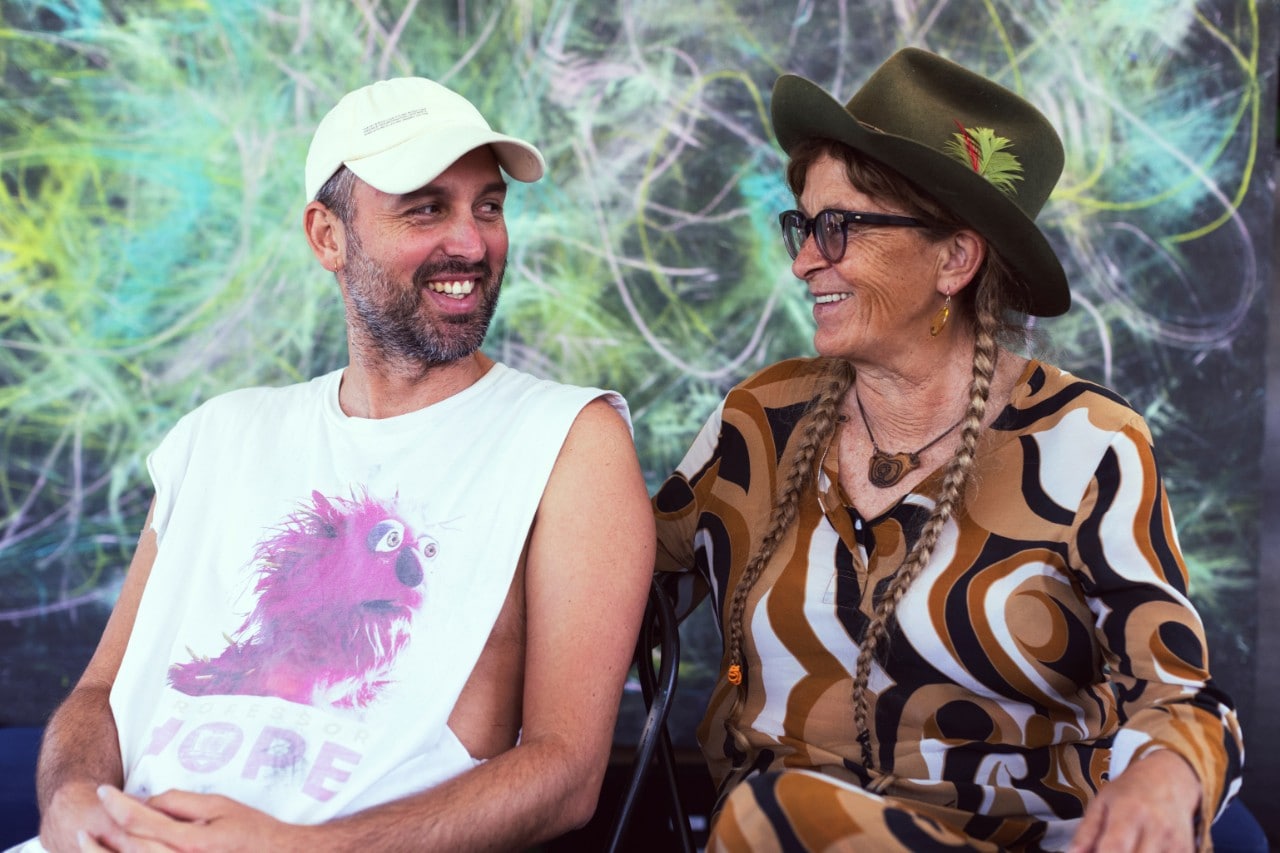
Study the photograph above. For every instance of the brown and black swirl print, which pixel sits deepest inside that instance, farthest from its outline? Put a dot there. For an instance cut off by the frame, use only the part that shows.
(1048, 643)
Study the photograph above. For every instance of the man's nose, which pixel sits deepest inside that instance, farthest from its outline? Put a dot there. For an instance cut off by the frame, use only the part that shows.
(463, 238)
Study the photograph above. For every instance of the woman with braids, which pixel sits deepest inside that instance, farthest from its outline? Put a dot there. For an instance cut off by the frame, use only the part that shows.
(953, 607)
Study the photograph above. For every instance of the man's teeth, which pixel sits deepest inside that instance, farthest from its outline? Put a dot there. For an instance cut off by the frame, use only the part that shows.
(456, 289)
(832, 297)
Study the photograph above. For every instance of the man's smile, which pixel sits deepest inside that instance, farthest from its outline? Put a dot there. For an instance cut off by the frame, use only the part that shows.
(456, 289)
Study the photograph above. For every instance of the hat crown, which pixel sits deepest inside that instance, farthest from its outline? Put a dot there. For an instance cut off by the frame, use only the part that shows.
(929, 100)
(388, 112)
(398, 134)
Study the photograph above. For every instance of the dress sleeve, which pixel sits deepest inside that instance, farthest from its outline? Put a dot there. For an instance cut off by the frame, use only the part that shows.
(1127, 559)
(676, 504)
(677, 507)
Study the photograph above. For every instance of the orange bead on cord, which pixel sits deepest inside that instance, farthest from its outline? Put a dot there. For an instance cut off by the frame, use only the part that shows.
(735, 674)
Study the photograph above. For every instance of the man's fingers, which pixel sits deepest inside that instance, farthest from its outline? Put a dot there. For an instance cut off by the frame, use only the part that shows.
(138, 821)
(187, 806)
(139, 828)
(89, 844)
(124, 809)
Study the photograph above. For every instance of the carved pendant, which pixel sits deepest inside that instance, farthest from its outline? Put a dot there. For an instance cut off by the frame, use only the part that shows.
(887, 470)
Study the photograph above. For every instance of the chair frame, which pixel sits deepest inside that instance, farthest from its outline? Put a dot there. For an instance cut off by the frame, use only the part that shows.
(659, 629)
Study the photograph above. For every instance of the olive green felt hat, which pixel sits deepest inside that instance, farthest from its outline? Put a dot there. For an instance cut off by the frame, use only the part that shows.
(984, 153)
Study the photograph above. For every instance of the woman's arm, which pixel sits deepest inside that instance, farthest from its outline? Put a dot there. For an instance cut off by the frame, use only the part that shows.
(1178, 755)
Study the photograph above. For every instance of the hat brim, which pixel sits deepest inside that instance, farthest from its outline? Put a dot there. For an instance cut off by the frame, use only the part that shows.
(416, 162)
(801, 110)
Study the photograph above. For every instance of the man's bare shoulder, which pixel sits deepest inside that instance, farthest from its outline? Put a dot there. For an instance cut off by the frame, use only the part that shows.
(600, 433)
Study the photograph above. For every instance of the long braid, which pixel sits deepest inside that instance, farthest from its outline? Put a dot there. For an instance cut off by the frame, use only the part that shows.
(986, 349)
(819, 422)
(997, 294)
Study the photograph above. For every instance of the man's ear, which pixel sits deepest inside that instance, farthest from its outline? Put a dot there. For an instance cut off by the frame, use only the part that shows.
(965, 250)
(326, 235)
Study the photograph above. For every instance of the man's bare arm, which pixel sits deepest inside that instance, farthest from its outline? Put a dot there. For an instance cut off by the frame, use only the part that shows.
(81, 748)
(589, 564)
(590, 558)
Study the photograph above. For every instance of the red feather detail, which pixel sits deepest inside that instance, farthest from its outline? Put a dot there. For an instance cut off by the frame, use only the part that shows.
(968, 144)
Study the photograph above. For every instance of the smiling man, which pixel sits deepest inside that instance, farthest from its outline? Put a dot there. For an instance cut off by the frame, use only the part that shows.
(366, 610)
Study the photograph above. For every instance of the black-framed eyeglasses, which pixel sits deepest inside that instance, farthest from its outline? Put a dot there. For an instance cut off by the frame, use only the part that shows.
(830, 228)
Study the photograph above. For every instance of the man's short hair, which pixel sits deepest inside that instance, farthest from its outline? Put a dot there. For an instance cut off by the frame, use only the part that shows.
(338, 194)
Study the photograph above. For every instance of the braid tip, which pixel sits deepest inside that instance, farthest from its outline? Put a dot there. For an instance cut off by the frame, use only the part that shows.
(735, 674)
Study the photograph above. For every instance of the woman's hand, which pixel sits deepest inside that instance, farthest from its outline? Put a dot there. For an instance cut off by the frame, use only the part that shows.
(1149, 808)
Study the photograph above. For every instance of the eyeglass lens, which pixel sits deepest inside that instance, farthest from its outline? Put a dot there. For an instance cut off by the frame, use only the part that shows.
(831, 229)
(828, 232)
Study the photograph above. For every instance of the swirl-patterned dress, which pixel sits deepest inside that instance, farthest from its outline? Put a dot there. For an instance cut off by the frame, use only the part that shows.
(1048, 643)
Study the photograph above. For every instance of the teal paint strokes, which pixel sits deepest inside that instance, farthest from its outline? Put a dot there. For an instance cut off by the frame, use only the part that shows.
(151, 252)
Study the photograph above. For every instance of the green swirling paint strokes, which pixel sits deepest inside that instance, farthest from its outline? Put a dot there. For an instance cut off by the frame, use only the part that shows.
(151, 254)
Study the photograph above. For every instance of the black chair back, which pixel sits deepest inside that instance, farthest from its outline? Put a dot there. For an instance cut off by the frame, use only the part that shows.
(657, 685)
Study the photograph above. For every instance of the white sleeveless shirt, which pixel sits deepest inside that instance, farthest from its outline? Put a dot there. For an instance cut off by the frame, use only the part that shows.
(324, 587)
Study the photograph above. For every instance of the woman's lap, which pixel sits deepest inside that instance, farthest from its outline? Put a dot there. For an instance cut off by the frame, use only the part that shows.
(799, 810)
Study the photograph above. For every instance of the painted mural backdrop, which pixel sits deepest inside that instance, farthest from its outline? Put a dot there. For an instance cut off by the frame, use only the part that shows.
(151, 252)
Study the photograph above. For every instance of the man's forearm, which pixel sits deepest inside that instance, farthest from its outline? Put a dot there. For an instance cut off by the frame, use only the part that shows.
(80, 744)
(529, 794)
(534, 792)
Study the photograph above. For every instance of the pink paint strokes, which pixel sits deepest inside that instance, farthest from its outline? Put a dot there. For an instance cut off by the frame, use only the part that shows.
(338, 584)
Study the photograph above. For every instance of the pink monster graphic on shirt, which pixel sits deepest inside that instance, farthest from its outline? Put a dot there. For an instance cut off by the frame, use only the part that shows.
(338, 584)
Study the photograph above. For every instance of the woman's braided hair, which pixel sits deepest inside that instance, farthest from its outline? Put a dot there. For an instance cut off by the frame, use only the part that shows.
(991, 299)
(815, 430)
(954, 479)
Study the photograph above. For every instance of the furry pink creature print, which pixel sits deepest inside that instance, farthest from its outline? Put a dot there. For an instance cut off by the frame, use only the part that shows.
(338, 584)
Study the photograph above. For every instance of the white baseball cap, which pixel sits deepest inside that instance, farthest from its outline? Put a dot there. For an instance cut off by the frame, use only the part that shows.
(398, 135)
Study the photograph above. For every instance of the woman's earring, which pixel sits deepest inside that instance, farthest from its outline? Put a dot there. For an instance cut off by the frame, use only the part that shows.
(940, 319)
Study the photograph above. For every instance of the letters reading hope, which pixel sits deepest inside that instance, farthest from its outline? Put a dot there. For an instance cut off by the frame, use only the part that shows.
(212, 746)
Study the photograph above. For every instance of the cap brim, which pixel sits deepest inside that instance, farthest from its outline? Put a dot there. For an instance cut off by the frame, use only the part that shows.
(801, 110)
(416, 162)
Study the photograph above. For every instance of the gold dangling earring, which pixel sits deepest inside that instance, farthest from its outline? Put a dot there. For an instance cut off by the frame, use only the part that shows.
(940, 319)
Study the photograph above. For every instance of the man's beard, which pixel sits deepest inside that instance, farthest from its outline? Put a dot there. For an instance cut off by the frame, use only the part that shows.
(391, 316)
